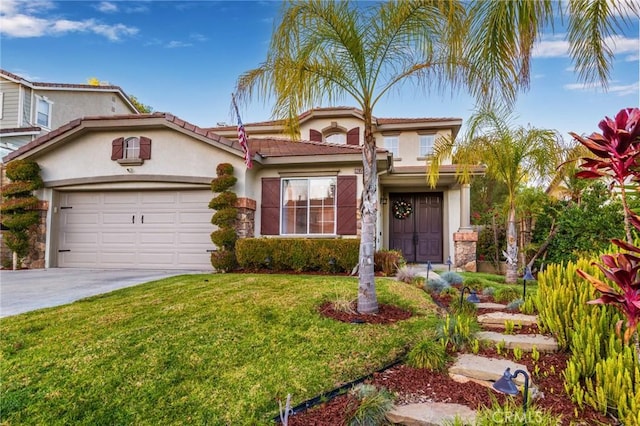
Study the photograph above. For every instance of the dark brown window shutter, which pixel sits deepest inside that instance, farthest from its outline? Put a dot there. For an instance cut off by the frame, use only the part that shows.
(347, 205)
(145, 148)
(117, 149)
(270, 208)
(353, 136)
(315, 136)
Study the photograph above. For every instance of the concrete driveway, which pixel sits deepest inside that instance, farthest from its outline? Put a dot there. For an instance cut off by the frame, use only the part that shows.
(30, 289)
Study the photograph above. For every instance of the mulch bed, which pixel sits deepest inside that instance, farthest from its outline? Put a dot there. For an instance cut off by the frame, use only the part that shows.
(418, 385)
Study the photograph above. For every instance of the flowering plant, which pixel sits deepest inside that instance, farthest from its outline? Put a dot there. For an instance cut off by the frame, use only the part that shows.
(402, 209)
(617, 150)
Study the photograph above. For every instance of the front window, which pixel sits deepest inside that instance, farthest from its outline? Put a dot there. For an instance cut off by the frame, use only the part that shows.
(426, 144)
(43, 112)
(132, 148)
(309, 206)
(337, 138)
(391, 145)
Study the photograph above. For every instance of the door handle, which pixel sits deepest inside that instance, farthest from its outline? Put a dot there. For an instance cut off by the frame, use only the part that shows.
(142, 219)
(133, 219)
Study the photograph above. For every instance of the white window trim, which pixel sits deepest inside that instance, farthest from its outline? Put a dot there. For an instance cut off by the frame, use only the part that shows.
(335, 207)
(125, 149)
(389, 139)
(433, 145)
(1, 105)
(39, 98)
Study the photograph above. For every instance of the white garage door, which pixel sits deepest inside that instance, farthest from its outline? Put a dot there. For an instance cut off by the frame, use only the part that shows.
(135, 229)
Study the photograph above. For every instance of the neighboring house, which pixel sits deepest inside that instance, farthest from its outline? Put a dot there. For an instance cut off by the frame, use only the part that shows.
(31, 109)
(133, 190)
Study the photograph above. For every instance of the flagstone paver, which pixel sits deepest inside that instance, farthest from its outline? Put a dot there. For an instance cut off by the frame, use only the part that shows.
(490, 305)
(430, 414)
(483, 370)
(499, 318)
(526, 342)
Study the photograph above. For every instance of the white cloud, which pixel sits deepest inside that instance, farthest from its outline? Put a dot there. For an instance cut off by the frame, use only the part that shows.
(198, 37)
(617, 89)
(22, 20)
(557, 46)
(107, 7)
(176, 44)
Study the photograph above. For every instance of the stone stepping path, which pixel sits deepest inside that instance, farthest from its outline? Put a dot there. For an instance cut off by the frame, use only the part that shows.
(498, 319)
(484, 371)
(526, 342)
(478, 369)
(431, 414)
(491, 305)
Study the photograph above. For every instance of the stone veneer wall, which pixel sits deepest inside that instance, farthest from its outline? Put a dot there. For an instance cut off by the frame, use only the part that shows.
(245, 226)
(37, 242)
(465, 249)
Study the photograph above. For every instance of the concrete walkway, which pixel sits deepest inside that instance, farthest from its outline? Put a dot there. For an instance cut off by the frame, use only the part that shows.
(26, 290)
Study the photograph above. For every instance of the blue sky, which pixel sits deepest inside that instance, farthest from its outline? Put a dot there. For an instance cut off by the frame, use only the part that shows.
(184, 57)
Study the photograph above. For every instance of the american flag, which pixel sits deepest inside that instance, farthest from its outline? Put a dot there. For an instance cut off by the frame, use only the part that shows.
(242, 137)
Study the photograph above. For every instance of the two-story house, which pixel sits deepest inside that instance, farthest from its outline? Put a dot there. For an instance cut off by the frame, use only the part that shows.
(133, 190)
(29, 109)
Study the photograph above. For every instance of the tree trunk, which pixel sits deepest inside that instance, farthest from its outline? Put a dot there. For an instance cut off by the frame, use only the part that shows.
(511, 276)
(367, 299)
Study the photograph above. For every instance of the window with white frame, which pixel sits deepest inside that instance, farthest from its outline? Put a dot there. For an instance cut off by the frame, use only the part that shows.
(336, 138)
(391, 144)
(132, 148)
(309, 206)
(427, 143)
(43, 112)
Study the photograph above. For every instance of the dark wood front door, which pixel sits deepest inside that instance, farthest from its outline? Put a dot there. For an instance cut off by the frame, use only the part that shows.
(419, 234)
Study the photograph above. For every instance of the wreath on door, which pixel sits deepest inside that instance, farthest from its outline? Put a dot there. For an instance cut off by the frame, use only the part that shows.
(402, 209)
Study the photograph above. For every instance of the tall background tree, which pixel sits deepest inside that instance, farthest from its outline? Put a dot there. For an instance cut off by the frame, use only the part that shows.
(513, 156)
(325, 51)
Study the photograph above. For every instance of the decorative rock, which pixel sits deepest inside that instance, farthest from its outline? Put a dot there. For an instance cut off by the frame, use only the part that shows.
(499, 318)
(430, 414)
(482, 370)
(526, 342)
(470, 267)
(488, 305)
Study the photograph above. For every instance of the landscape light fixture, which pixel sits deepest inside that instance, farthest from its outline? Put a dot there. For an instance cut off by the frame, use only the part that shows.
(473, 296)
(449, 262)
(506, 385)
(267, 261)
(429, 268)
(332, 265)
(527, 277)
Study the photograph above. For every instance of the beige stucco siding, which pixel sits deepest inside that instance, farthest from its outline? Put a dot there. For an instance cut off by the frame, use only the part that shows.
(331, 125)
(10, 104)
(69, 105)
(409, 146)
(87, 157)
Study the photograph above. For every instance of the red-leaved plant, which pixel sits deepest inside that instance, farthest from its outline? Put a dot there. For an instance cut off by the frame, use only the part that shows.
(618, 157)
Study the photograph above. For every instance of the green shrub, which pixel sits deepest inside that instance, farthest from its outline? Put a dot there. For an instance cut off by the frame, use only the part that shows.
(473, 282)
(457, 331)
(224, 238)
(222, 200)
(449, 291)
(488, 291)
(225, 217)
(222, 183)
(223, 260)
(428, 354)
(602, 371)
(435, 285)
(18, 203)
(515, 304)
(388, 261)
(372, 407)
(506, 294)
(452, 277)
(299, 254)
(223, 169)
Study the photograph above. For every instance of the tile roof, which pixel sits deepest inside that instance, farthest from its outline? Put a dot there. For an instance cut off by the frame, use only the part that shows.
(60, 85)
(264, 147)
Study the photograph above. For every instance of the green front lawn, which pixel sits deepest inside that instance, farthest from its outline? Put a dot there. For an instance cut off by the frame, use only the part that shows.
(195, 349)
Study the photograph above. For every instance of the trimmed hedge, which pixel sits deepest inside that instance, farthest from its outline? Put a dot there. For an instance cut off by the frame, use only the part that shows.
(298, 254)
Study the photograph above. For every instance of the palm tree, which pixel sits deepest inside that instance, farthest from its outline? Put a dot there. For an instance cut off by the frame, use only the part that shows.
(512, 156)
(324, 51)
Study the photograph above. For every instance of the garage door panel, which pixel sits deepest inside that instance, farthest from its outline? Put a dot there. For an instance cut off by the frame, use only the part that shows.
(81, 238)
(82, 219)
(158, 238)
(151, 219)
(119, 238)
(118, 218)
(120, 198)
(107, 229)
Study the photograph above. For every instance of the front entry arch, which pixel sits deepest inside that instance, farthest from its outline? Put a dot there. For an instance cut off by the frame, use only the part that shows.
(419, 235)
